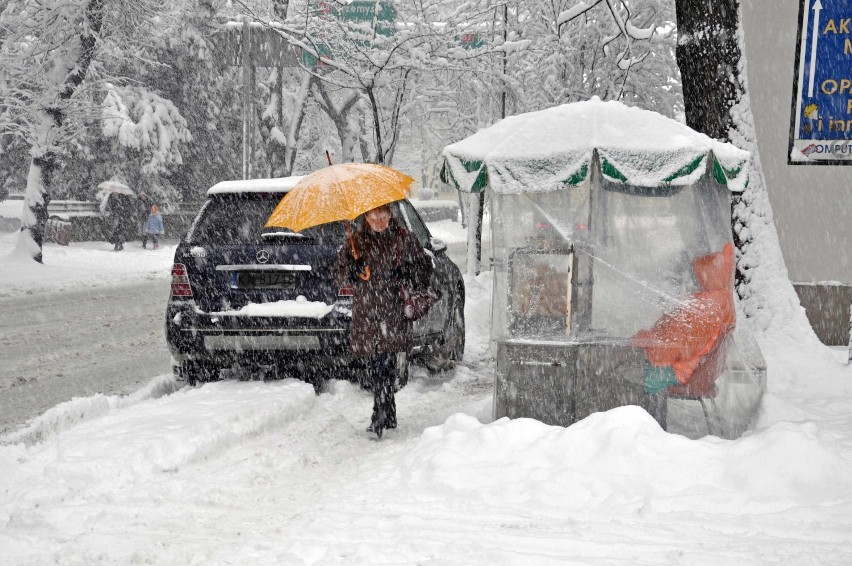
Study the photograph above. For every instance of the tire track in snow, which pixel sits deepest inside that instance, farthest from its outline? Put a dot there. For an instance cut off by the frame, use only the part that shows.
(136, 444)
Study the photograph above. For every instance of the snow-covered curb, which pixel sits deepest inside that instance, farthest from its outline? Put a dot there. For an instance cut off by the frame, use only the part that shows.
(80, 409)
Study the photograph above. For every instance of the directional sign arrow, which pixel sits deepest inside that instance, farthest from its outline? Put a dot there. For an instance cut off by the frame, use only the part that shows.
(814, 41)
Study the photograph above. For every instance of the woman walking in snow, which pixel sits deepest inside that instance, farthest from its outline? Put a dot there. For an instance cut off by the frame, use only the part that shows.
(380, 330)
(153, 227)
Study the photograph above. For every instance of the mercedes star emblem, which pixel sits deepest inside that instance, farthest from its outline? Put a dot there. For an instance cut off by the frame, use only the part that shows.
(262, 256)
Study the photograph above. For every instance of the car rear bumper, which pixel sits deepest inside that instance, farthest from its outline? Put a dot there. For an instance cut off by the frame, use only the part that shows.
(194, 334)
(271, 342)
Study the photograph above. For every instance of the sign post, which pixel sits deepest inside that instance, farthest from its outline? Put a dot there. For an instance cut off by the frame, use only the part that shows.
(821, 113)
(251, 45)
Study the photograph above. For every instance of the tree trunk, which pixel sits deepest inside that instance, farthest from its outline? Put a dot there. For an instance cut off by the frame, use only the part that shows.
(44, 157)
(296, 119)
(275, 144)
(399, 99)
(36, 200)
(279, 8)
(377, 125)
(341, 119)
(709, 57)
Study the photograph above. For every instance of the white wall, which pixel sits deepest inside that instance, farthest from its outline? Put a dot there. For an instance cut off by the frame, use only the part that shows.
(812, 204)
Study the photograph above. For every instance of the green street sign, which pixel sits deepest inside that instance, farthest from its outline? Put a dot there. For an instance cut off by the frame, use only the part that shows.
(360, 11)
(311, 60)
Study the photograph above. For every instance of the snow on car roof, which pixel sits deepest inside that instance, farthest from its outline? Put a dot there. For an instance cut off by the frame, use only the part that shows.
(279, 185)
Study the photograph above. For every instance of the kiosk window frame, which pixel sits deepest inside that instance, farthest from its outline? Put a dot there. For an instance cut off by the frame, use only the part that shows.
(525, 292)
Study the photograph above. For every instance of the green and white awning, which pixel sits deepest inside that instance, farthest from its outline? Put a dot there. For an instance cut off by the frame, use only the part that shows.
(554, 148)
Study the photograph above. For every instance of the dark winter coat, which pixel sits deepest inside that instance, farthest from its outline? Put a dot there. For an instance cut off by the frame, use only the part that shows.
(121, 209)
(378, 322)
(144, 208)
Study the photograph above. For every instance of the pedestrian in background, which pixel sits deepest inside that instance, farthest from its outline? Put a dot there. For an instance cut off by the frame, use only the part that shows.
(389, 256)
(154, 227)
(120, 208)
(143, 210)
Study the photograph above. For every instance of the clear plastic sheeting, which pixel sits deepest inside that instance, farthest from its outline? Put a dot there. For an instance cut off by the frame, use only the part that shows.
(608, 294)
(613, 260)
(535, 237)
(642, 247)
(736, 394)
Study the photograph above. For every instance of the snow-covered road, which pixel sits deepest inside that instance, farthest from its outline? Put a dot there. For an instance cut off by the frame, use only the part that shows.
(54, 346)
(275, 448)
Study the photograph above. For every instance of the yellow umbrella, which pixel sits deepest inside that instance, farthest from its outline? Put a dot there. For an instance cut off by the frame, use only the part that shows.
(339, 192)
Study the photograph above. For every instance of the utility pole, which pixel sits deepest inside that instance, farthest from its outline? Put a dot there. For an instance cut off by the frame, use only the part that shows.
(247, 45)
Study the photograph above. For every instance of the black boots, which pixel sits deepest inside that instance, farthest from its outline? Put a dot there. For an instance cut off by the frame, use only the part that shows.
(377, 427)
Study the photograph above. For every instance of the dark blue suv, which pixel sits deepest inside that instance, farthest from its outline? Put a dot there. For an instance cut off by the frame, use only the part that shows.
(263, 301)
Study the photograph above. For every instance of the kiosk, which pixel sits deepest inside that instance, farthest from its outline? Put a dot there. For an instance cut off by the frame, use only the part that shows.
(613, 267)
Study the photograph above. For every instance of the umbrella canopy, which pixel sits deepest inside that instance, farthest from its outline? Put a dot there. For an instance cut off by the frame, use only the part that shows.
(338, 192)
(554, 148)
(114, 187)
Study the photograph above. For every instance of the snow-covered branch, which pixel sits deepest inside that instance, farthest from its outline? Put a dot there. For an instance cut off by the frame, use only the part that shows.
(144, 121)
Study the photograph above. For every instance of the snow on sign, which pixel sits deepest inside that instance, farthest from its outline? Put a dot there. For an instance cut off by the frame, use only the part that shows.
(821, 121)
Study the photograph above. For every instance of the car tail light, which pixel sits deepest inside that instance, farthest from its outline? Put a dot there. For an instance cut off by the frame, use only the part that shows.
(180, 281)
(345, 291)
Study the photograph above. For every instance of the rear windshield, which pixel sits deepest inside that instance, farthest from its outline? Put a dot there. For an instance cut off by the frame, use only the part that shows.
(239, 219)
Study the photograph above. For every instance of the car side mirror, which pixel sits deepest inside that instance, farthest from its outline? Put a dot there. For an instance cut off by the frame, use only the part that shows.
(437, 244)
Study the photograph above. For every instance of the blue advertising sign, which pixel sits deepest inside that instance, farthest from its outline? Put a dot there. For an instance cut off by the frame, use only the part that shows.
(821, 117)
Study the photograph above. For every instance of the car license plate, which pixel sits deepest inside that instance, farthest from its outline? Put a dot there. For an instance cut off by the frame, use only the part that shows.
(264, 279)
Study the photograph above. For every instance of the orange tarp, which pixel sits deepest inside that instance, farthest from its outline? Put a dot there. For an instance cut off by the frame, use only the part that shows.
(684, 335)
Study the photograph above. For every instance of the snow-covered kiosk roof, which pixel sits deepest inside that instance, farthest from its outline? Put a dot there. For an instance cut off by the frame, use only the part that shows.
(554, 148)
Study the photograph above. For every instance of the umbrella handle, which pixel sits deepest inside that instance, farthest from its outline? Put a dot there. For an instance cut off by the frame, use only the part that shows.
(366, 275)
